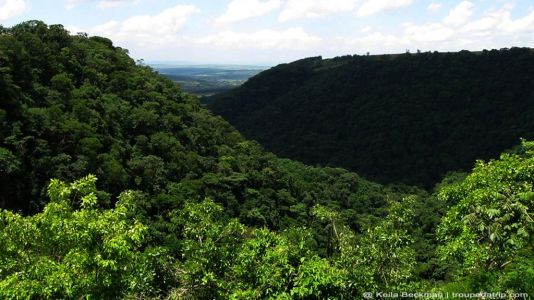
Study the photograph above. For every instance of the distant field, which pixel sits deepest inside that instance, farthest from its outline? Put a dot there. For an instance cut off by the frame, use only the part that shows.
(206, 80)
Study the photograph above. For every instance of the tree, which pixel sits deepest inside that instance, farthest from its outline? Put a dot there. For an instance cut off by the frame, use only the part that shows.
(380, 259)
(490, 219)
(73, 249)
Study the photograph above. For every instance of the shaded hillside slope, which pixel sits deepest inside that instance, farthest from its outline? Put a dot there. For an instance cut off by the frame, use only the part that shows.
(182, 207)
(74, 105)
(400, 118)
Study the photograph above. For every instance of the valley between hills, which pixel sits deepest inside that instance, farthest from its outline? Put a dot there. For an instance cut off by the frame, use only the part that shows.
(345, 178)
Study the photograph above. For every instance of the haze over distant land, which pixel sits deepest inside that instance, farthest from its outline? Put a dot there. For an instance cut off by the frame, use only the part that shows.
(269, 32)
(206, 79)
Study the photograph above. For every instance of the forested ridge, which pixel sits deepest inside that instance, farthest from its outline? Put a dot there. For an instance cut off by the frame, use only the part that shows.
(116, 184)
(407, 118)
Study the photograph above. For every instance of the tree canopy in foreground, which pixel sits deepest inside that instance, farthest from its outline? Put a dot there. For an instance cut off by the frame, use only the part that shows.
(185, 208)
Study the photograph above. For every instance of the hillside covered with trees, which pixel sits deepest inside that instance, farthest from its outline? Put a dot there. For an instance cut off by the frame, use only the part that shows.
(407, 118)
(114, 184)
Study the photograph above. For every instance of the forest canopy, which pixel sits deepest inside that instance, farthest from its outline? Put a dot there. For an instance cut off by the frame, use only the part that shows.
(114, 184)
(407, 118)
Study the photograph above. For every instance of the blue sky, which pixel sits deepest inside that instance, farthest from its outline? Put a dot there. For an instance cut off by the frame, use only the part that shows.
(268, 32)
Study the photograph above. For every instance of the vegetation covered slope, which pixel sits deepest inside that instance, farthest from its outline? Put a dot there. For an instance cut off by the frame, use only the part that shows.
(76, 249)
(77, 105)
(73, 105)
(400, 118)
(185, 208)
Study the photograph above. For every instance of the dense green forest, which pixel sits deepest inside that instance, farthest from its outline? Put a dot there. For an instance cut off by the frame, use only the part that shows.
(116, 184)
(407, 118)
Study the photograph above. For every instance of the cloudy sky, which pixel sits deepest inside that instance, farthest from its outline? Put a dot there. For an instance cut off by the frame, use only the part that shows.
(273, 31)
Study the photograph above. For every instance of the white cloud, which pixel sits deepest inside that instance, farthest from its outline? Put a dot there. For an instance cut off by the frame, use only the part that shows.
(371, 7)
(293, 38)
(489, 21)
(298, 9)
(366, 29)
(104, 4)
(433, 7)
(244, 9)
(147, 30)
(466, 26)
(460, 14)
(374, 42)
(435, 32)
(71, 4)
(493, 29)
(12, 8)
(525, 24)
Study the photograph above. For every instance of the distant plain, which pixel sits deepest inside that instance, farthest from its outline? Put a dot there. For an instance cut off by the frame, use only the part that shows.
(206, 80)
